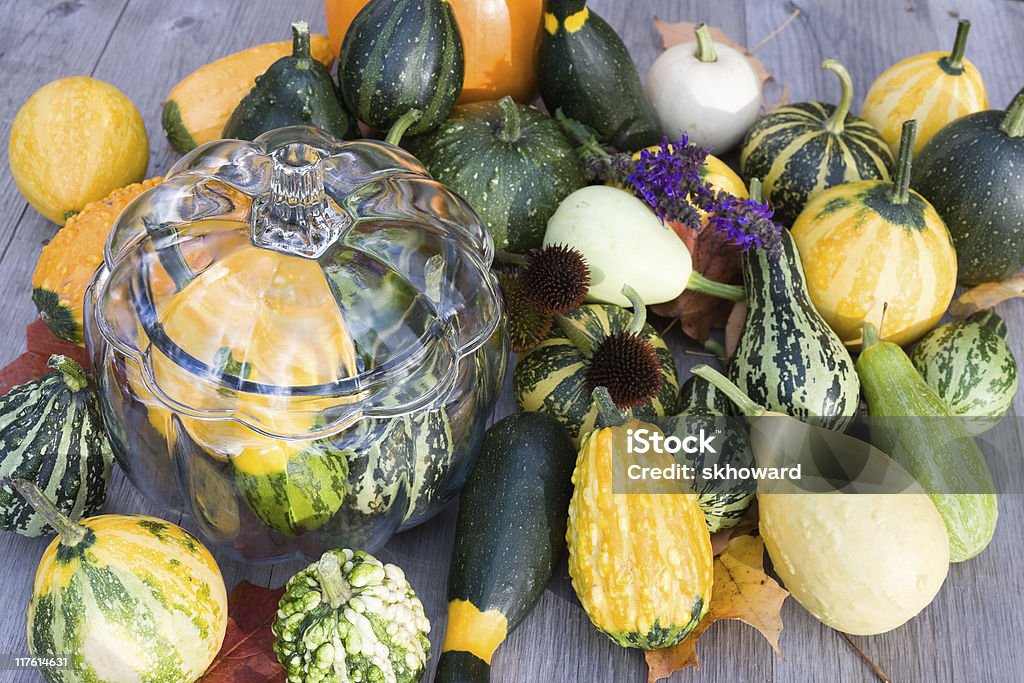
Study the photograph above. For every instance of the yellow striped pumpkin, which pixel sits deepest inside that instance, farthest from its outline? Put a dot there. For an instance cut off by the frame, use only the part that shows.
(800, 150)
(935, 88)
(124, 598)
(640, 557)
(877, 252)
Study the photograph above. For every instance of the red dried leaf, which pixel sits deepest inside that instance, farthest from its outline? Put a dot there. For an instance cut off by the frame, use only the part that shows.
(41, 344)
(247, 653)
(716, 258)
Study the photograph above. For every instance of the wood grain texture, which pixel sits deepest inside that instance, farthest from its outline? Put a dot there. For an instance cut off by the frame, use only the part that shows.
(971, 632)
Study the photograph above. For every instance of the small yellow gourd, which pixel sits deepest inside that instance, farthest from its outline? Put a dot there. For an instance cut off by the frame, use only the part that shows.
(935, 88)
(73, 142)
(639, 553)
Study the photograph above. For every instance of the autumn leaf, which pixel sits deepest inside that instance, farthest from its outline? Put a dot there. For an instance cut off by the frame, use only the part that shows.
(748, 524)
(741, 591)
(988, 295)
(715, 257)
(734, 328)
(247, 653)
(40, 344)
(683, 32)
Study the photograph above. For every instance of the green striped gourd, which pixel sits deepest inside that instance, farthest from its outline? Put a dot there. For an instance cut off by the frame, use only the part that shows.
(970, 366)
(801, 149)
(124, 598)
(926, 437)
(702, 406)
(398, 56)
(552, 377)
(348, 617)
(51, 433)
(788, 359)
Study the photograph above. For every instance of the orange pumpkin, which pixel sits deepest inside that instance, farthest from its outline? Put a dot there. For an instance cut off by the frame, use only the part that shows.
(498, 38)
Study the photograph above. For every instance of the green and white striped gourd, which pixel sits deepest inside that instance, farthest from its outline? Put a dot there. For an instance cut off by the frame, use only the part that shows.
(51, 433)
(552, 377)
(398, 56)
(702, 406)
(348, 617)
(970, 366)
(801, 149)
(788, 359)
(124, 598)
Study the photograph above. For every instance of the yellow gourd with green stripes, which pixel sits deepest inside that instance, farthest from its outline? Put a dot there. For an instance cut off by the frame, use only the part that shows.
(877, 252)
(935, 88)
(124, 598)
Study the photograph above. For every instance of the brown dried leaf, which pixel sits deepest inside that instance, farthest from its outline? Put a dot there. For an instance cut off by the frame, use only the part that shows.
(741, 591)
(988, 295)
(716, 258)
(748, 524)
(247, 653)
(734, 328)
(40, 344)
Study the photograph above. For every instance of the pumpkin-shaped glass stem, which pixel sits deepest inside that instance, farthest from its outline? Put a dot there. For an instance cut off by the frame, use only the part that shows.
(296, 216)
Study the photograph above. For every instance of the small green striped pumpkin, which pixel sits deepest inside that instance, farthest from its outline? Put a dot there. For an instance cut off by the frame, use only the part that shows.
(124, 598)
(552, 377)
(970, 366)
(702, 406)
(51, 433)
(802, 149)
(400, 55)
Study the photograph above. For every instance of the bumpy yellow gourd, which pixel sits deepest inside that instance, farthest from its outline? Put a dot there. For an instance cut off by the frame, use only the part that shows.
(640, 560)
(934, 88)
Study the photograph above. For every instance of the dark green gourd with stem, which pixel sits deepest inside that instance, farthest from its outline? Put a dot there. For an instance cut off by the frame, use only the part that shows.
(584, 69)
(788, 358)
(972, 172)
(295, 90)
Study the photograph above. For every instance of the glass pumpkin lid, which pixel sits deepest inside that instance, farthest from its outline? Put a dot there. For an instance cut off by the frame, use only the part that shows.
(296, 283)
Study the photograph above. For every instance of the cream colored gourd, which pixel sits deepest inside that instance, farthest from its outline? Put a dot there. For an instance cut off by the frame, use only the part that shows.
(862, 563)
(624, 242)
(706, 91)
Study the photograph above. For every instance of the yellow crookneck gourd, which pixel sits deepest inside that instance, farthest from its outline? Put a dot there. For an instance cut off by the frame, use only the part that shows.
(640, 559)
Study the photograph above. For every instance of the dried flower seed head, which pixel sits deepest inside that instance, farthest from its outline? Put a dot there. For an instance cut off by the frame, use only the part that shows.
(627, 365)
(555, 279)
(527, 325)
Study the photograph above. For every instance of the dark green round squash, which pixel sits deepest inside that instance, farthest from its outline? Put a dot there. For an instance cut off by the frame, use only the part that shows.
(398, 56)
(802, 149)
(972, 172)
(511, 163)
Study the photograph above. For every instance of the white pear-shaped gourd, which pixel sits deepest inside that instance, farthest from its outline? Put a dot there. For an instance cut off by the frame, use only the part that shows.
(709, 92)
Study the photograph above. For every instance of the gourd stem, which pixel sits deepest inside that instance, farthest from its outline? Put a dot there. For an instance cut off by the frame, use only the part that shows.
(1013, 122)
(510, 129)
(705, 45)
(401, 125)
(71, 533)
(901, 183)
(743, 402)
(583, 343)
(754, 191)
(334, 585)
(608, 414)
(869, 337)
(73, 374)
(837, 122)
(300, 45)
(699, 283)
(955, 60)
(636, 325)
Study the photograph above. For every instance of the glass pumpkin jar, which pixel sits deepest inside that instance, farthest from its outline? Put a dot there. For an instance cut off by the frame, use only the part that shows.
(298, 342)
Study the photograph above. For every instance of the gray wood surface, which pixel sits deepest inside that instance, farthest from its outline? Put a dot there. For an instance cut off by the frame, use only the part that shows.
(971, 632)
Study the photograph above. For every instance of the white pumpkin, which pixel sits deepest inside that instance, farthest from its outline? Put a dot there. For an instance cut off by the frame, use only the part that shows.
(709, 92)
